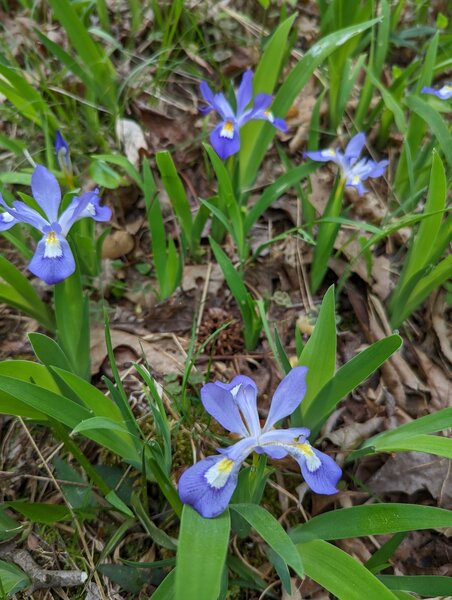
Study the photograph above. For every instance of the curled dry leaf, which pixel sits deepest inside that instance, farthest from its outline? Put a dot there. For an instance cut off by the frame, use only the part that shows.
(117, 244)
(412, 472)
(132, 139)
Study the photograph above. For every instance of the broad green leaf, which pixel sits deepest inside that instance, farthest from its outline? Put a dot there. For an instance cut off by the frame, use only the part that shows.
(12, 579)
(201, 555)
(48, 351)
(436, 123)
(165, 590)
(8, 526)
(321, 346)
(290, 89)
(340, 574)
(424, 585)
(277, 189)
(39, 512)
(348, 377)
(176, 192)
(431, 444)
(92, 54)
(372, 519)
(272, 532)
(99, 423)
(423, 243)
(97, 402)
(265, 79)
(121, 161)
(390, 102)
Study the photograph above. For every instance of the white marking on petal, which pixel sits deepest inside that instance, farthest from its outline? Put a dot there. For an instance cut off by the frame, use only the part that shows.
(235, 390)
(445, 90)
(269, 115)
(227, 131)
(52, 246)
(356, 180)
(313, 462)
(218, 474)
(91, 209)
(328, 153)
(6, 217)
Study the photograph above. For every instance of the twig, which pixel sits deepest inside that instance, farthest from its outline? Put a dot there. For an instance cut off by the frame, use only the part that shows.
(39, 577)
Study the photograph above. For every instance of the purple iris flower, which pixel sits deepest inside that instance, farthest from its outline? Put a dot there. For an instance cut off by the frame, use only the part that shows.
(53, 260)
(225, 138)
(209, 484)
(63, 155)
(444, 92)
(353, 171)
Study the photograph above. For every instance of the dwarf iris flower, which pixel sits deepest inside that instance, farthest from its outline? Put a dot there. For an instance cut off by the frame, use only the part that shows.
(209, 484)
(444, 92)
(353, 171)
(53, 260)
(62, 153)
(225, 138)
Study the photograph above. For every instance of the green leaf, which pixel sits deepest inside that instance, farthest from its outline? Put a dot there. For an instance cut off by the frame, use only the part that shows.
(176, 192)
(99, 423)
(121, 161)
(436, 123)
(48, 351)
(348, 377)
(40, 512)
(165, 590)
(290, 89)
(437, 421)
(320, 346)
(12, 579)
(271, 532)
(8, 526)
(201, 555)
(431, 444)
(424, 585)
(265, 79)
(341, 574)
(373, 519)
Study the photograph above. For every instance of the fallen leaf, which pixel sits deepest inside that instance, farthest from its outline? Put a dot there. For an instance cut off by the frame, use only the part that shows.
(412, 472)
(195, 275)
(162, 352)
(132, 139)
(117, 244)
(295, 593)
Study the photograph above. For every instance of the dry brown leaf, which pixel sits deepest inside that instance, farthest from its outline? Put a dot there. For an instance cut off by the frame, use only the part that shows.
(439, 385)
(117, 244)
(351, 436)
(295, 593)
(161, 351)
(195, 275)
(412, 472)
(442, 326)
(132, 139)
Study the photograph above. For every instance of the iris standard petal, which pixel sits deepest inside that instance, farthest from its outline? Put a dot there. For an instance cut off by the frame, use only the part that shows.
(288, 395)
(225, 139)
(53, 260)
(26, 214)
(245, 92)
(223, 108)
(208, 485)
(220, 403)
(62, 151)
(355, 146)
(321, 475)
(46, 191)
(260, 105)
(246, 400)
(236, 382)
(206, 93)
